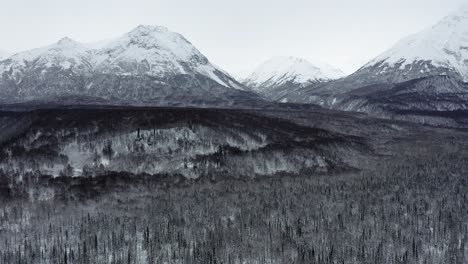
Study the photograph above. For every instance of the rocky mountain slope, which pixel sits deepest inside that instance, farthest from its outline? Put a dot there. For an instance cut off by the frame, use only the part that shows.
(281, 75)
(149, 65)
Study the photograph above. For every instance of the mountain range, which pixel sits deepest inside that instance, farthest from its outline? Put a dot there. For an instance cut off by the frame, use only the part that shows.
(148, 65)
(425, 71)
(151, 65)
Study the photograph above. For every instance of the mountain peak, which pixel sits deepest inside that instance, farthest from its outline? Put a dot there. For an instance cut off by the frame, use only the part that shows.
(65, 40)
(291, 71)
(289, 68)
(148, 36)
(457, 18)
(164, 50)
(439, 49)
(147, 29)
(67, 43)
(64, 54)
(147, 64)
(288, 58)
(157, 51)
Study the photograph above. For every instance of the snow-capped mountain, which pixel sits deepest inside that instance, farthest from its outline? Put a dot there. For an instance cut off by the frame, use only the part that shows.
(149, 64)
(65, 54)
(435, 61)
(156, 51)
(439, 50)
(280, 75)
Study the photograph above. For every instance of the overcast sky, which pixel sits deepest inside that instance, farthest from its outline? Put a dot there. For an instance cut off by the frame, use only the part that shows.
(237, 35)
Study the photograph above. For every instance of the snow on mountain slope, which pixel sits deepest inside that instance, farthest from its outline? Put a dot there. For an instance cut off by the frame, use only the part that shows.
(427, 71)
(280, 70)
(65, 54)
(157, 51)
(280, 74)
(148, 65)
(441, 49)
(160, 49)
(150, 50)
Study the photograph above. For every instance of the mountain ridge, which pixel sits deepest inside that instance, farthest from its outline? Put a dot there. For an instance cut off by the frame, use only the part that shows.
(441, 49)
(147, 64)
(281, 74)
(434, 60)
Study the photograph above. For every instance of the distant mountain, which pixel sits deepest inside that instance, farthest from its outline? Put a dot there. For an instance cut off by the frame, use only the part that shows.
(281, 75)
(434, 60)
(149, 65)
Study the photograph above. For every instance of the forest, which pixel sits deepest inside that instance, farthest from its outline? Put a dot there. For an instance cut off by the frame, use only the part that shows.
(229, 186)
